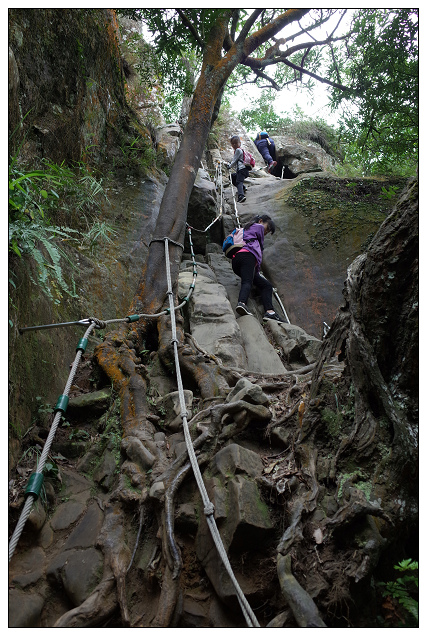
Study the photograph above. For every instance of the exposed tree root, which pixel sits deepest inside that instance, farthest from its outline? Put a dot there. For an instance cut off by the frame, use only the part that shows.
(99, 606)
(113, 542)
(302, 605)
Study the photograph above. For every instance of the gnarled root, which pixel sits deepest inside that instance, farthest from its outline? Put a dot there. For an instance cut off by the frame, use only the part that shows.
(302, 605)
(112, 540)
(171, 575)
(121, 365)
(205, 373)
(95, 609)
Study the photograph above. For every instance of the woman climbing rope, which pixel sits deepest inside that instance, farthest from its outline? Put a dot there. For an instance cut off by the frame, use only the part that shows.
(246, 263)
(267, 149)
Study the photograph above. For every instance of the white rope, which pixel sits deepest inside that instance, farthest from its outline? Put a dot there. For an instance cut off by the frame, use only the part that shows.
(208, 506)
(234, 200)
(281, 304)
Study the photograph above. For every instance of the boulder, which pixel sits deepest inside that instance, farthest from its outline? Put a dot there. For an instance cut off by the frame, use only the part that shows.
(66, 514)
(79, 572)
(302, 156)
(169, 405)
(297, 345)
(248, 392)
(167, 138)
(86, 533)
(242, 516)
(212, 321)
(236, 459)
(202, 210)
(94, 403)
(29, 568)
(24, 609)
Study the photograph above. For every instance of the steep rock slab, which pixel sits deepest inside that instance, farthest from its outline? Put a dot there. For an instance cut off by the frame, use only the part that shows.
(309, 281)
(211, 318)
(262, 358)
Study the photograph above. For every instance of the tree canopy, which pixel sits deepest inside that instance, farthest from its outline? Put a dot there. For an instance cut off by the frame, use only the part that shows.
(370, 66)
(379, 63)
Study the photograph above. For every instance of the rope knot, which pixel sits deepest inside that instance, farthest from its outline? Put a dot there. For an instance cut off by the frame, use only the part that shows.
(99, 323)
(209, 509)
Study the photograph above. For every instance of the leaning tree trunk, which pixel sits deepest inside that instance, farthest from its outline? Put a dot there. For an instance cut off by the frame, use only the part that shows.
(152, 288)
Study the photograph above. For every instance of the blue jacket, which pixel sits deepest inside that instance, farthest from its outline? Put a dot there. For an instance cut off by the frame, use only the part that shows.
(256, 245)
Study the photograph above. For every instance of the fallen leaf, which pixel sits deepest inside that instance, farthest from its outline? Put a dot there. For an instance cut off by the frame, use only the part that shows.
(318, 535)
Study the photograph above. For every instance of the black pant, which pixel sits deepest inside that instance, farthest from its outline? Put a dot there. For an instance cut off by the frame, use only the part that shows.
(243, 265)
(238, 178)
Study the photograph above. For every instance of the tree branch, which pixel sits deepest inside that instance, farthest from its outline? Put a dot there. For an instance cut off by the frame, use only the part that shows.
(310, 28)
(335, 63)
(248, 25)
(186, 22)
(272, 28)
(316, 77)
(261, 74)
(234, 22)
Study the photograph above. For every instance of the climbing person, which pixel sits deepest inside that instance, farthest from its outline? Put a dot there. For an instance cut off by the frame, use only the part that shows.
(246, 263)
(266, 147)
(242, 172)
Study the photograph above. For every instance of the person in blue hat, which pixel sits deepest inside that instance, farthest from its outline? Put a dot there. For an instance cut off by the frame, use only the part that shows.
(266, 148)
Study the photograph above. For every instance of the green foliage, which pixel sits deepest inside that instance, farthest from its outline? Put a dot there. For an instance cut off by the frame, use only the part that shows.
(333, 421)
(260, 114)
(172, 61)
(380, 63)
(358, 479)
(99, 232)
(389, 193)
(404, 589)
(39, 203)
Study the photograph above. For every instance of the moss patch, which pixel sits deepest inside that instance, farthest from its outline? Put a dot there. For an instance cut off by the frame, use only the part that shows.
(333, 207)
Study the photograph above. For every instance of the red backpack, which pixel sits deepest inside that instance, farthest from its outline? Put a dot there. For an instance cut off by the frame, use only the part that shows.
(248, 160)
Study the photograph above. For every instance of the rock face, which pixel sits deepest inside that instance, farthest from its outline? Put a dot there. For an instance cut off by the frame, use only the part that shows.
(65, 556)
(300, 157)
(167, 140)
(203, 208)
(212, 320)
(242, 517)
(77, 96)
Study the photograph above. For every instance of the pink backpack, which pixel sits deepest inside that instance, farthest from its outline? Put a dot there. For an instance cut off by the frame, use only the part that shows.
(233, 242)
(248, 160)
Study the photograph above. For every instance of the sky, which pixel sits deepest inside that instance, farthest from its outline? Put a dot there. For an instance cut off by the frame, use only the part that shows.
(288, 98)
(312, 106)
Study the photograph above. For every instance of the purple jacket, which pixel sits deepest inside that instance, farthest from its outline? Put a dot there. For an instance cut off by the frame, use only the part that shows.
(255, 246)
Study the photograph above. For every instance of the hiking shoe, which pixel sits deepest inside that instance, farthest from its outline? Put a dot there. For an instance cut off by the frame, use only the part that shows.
(272, 165)
(242, 310)
(241, 198)
(274, 316)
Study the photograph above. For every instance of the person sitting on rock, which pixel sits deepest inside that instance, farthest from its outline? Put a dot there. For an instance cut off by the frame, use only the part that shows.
(242, 172)
(266, 147)
(246, 263)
